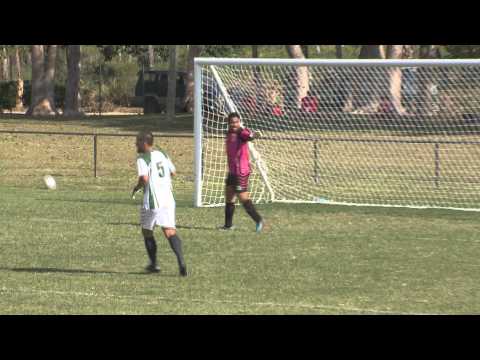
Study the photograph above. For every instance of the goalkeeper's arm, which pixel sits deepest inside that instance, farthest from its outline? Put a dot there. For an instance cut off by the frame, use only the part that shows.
(249, 135)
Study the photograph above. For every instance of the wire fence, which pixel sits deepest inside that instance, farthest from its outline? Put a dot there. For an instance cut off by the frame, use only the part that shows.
(85, 159)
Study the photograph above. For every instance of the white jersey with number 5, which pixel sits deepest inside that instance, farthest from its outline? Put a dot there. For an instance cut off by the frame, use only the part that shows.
(158, 191)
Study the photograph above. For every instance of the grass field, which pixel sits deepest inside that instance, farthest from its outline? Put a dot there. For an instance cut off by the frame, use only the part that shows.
(78, 250)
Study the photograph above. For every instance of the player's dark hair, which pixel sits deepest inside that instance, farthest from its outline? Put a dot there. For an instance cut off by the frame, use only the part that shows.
(232, 115)
(145, 137)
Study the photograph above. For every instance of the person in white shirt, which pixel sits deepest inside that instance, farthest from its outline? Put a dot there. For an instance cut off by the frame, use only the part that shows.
(155, 171)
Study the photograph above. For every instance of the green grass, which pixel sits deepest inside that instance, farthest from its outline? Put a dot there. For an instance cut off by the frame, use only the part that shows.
(78, 250)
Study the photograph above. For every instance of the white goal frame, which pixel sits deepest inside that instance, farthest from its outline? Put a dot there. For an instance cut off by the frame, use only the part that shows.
(213, 62)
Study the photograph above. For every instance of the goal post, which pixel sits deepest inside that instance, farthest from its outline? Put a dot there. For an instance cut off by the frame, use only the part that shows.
(399, 133)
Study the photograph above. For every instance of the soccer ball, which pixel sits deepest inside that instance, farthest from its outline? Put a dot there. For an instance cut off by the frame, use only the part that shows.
(50, 182)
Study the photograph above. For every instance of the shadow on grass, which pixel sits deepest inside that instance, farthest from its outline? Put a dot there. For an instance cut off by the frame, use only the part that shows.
(118, 202)
(155, 123)
(133, 123)
(188, 227)
(81, 271)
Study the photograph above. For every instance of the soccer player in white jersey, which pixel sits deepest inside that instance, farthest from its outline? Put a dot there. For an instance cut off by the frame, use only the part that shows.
(154, 177)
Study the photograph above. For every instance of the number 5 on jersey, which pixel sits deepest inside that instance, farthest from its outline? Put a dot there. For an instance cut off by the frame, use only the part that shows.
(161, 170)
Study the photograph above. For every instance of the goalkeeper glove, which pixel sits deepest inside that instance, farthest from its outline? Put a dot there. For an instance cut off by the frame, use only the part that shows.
(257, 134)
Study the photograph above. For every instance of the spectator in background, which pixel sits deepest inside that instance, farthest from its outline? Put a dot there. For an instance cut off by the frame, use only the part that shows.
(386, 106)
(276, 103)
(310, 103)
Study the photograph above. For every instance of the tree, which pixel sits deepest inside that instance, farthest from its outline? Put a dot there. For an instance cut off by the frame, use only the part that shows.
(42, 101)
(4, 64)
(372, 52)
(424, 101)
(395, 78)
(222, 50)
(254, 51)
(301, 74)
(193, 52)
(172, 83)
(18, 72)
(305, 51)
(377, 87)
(364, 97)
(456, 51)
(72, 88)
(338, 51)
(409, 51)
(151, 57)
(431, 51)
(51, 56)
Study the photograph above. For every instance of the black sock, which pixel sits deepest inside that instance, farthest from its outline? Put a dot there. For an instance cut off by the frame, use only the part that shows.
(229, 210)
(151, 247)
(250, 208)
(176, 245)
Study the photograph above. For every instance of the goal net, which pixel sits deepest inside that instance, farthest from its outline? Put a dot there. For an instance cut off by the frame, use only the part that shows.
(357, 132)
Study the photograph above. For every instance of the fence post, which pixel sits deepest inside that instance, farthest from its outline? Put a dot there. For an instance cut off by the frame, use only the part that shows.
(95, 155)
(437, 164)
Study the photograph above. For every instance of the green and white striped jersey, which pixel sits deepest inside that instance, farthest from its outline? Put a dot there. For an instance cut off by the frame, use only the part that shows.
(158, 191)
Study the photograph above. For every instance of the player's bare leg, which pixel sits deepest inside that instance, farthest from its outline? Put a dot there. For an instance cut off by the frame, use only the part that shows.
(176, 245)
(244, 198)
(229, 206)
(151, 246)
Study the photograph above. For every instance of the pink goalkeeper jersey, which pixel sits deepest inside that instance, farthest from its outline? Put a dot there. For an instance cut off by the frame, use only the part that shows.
(237, 152)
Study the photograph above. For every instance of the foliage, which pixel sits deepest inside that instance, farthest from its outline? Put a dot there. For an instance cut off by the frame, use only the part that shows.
(463, 51)
(139, 52)
(221, 50)
(8, 94)
(59, 94)
(121, 63)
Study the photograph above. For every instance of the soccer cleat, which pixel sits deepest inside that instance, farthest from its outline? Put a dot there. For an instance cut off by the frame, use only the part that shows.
(152, 268)
(226, 228)
(183, 270)
(259, 226)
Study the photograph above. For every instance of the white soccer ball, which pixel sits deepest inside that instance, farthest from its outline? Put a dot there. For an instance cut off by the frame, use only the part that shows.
(50, 182)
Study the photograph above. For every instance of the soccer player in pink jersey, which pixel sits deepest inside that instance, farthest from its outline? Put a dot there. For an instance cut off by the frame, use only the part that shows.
(238, 172)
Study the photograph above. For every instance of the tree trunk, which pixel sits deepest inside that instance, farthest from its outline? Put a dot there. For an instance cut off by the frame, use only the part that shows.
(172, 82)
(18, 76)
(37, 91)
(254, 51)
(193, 52)
(339, 51)
(5, 65)
(395, 79)
(365, 95)
(301, 75)
(305, 51)
(372, 52)
(429, 52)
(72, 91)
(43, 74)
(424, 99)
(408, 51)
(50, 75)
(260, 93)
(11, 66)
(151, 57)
